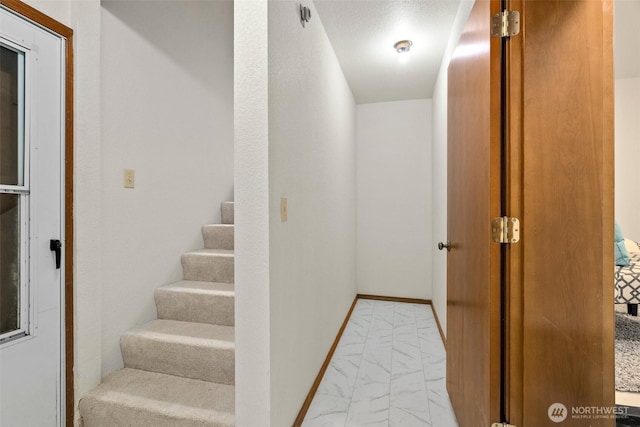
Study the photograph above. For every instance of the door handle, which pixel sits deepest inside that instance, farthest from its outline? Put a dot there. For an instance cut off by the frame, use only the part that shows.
(56, 246)
(447, 245)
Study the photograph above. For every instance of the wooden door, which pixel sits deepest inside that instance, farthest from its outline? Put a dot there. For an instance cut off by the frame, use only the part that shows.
(560, 165)
(554, 171)
(473, 313)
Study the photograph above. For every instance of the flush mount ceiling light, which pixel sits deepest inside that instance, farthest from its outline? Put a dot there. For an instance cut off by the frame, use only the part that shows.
(403, 46)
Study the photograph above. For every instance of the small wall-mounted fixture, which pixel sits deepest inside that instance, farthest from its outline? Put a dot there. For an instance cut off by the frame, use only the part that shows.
(305, 15)
(403, 46)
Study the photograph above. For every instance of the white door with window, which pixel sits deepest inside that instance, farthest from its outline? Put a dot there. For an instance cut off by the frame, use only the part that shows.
(31, 224)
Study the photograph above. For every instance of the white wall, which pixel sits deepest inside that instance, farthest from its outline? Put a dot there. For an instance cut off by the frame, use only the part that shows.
(294, 138)
(439, 169)
(627, 156)
(312, 162)
(252, 309)
(439, 197)
(394, 198)
(167, 113)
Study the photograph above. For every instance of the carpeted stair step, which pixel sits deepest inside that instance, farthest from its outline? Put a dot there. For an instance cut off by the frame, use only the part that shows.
(226, 209)
(200, 302)
(208, 265)
(192, 350)
(131, 397)
(218, 236)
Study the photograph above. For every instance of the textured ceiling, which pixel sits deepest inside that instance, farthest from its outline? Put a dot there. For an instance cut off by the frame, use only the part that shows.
(627, 39)
(362, 33)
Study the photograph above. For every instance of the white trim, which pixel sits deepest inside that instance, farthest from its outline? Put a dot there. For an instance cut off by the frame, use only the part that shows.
(26, 298)
(25, 59)
(62, 413)
(22, 110)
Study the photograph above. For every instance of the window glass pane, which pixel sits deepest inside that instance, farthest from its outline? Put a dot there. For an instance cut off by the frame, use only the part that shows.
(9, 262)
(11, 117)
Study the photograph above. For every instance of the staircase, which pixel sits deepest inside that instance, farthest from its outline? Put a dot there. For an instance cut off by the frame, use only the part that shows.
(179, 369)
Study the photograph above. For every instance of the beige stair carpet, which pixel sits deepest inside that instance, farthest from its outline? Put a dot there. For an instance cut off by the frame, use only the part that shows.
(132, 397)
(205, 352)
(227, 213)
(191, 301)
(209, 265)
(179, 369)
(218, 236)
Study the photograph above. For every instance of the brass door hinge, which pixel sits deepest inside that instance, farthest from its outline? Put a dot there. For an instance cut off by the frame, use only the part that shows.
(505, 230)
(505, 24)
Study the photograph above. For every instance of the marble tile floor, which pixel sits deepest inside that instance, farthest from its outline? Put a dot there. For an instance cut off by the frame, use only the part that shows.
(388, 370)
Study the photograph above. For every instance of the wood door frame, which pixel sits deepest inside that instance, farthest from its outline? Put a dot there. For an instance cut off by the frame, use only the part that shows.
(65, 32)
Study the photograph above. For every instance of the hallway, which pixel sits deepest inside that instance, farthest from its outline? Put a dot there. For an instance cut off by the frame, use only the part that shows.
(388, 370)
